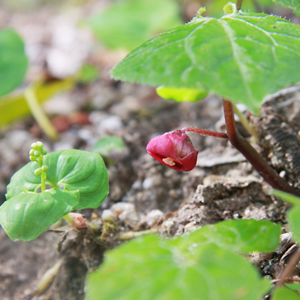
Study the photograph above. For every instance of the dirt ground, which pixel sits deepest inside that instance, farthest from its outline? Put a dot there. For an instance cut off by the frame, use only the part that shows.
(223, 186)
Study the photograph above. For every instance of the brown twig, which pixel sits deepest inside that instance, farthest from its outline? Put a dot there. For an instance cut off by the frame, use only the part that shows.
(239, 4)
(289, 268)
(256, 160)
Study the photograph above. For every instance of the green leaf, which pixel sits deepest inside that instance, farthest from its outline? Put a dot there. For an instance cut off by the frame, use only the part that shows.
(293, 217)
(26, 215)
(13, 61)
(215, 8)
(181, 94)
(292, 4)
(72, 170)
(283, 293)
(152, 268)
(289, 198)
(88, 73)
(127, 24)
(14, 107)
(293, 286)
(242, 57)
(107, 144)
(240, 235)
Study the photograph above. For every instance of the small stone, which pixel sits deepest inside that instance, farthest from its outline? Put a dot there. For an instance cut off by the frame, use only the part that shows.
(153, 217)
(107, 214)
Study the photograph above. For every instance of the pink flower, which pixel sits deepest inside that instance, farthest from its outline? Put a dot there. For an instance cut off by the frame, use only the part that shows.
(174, 149)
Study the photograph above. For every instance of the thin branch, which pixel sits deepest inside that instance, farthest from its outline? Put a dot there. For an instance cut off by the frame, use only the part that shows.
(256, 160)
(205, 132)
(239, 4)
(289, 268)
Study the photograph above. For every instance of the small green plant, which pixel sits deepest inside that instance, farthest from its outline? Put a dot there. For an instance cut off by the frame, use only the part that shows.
(49, 187)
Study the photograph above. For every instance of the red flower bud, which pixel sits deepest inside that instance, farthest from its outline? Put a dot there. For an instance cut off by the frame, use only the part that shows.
(174, 149)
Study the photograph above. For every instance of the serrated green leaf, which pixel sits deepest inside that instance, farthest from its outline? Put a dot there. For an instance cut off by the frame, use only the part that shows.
(289, 198)
(292, 4)
(109, 143)
(13, 61)
(283, 293)
(26, 215)
(215, 8)
(181, 94)
(242, 236)
(152, 268)
(293, 217)
(71, 169)
(127, 24)
(242, 57)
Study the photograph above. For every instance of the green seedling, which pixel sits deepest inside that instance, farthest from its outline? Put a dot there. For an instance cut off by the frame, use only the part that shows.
(49, 187)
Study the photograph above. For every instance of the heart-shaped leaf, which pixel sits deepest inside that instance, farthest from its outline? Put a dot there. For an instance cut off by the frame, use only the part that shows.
(13, 61)
(185, 268)
(26, 215)
(242, 57)
(72, 170)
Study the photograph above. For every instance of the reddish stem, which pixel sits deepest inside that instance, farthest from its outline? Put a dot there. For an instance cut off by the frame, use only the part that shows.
(256, 160)
(205, 132)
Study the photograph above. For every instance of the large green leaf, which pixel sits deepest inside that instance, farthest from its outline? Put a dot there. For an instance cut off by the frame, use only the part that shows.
(129, 23)
(185, 268)
(13, 61)
(292, 4)
(72, 170)
(27, 215)
(242, 57)
(240, 235)
(283, 293)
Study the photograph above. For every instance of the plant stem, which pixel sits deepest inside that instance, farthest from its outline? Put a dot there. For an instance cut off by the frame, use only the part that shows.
(256, 160)
(43, 181)
(39, 114)
(133, 234)
(245, 123)
(289, 268)
(239, 4)
(205, 132)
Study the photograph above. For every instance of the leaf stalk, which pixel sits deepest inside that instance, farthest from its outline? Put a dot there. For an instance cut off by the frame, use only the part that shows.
(256, 160)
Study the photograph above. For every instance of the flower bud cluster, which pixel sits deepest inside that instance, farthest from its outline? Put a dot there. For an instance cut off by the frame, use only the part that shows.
(36, 154)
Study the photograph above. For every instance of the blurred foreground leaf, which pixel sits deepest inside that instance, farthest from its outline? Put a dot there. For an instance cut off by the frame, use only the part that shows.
(198, 266)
